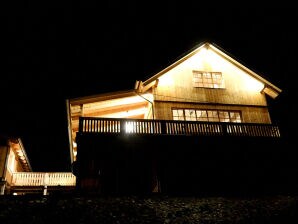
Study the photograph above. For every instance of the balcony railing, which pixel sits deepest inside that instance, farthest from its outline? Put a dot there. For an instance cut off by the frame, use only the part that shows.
(42, 179)
(171, 127)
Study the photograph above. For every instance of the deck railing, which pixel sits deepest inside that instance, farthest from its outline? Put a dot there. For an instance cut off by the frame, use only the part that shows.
(43, 179)
(171, 127)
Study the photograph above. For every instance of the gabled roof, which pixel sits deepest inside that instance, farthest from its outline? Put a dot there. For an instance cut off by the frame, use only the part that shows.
(269, 88)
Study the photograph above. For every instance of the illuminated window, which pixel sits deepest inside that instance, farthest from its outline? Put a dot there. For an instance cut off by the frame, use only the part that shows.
(206, 115)
(190, 115)
(208, 79)
(178, 114)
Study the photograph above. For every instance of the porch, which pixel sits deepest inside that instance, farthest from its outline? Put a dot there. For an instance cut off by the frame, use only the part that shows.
(37, 182)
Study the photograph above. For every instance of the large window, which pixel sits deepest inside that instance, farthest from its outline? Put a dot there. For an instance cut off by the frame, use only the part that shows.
(208, 79)
(206, 115)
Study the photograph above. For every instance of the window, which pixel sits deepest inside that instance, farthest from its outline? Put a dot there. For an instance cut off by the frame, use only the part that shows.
(178, 114)
(190, 115)
(208, 79)
(206, 115)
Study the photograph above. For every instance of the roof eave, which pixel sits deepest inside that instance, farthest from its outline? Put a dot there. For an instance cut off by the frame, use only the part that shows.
(101, 97)
(266, 83)
(179, 61)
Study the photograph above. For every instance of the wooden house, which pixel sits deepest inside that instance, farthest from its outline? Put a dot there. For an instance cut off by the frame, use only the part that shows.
(13, 158)
(18, 178)
(191, 127)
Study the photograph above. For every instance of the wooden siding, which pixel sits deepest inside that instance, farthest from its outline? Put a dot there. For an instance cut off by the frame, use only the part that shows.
(176, 84)
(17, 164)
(250, 114)
(3, 154)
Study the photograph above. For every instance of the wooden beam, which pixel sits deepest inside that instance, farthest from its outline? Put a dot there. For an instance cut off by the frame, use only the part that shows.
(115, 109)
(150, 85)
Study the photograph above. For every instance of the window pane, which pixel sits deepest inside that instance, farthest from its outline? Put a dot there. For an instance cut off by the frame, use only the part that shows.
(190, 115)
(224, 116)
(212, 115)
(178, 114)
(175, 113)
(235, 117)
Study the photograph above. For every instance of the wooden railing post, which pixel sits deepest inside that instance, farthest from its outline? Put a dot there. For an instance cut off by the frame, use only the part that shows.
(2, 187)
(163, 127)
(224, 127)
(122, 126)
(81, 124)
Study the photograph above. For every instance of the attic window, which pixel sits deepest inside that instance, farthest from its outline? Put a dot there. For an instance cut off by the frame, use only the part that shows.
(208, 79)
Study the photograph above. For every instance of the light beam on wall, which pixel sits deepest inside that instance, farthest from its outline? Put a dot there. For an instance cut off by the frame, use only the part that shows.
(253, 84)
(165, 80)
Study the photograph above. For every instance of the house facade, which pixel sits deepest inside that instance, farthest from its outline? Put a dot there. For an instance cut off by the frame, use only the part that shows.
(158, 136)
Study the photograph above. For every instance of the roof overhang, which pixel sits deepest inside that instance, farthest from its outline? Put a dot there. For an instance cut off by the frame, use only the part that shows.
(270, 89)
(18, 147)
(101, 97)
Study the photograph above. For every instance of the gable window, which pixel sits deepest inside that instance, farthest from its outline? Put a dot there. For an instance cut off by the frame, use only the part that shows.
(208, 79)
(206, 115)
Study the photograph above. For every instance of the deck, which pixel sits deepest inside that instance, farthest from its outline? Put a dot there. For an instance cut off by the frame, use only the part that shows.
(139, 155)
(28, 182)
(171, 127)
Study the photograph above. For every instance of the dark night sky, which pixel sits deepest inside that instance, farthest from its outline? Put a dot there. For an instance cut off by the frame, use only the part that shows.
(53, 52)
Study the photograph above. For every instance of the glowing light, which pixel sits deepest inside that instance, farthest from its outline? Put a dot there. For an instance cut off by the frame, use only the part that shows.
(129, 126)
(205, 52)
(253, 84)
(20, 154)
(165, 80)
(74, 144)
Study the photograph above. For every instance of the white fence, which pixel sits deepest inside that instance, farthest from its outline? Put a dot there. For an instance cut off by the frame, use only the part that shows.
(43, 179)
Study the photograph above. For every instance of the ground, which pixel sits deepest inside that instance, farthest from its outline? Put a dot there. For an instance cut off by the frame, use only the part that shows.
(150, 209)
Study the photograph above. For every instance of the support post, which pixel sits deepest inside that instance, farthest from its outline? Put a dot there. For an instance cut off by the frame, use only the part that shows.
(2, 187)
(45, 190)
(122, 126)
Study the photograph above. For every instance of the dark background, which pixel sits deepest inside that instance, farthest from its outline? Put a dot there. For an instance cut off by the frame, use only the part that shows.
(51, 52)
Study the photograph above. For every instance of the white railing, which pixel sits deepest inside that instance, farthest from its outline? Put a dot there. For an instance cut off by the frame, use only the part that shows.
(43, 179)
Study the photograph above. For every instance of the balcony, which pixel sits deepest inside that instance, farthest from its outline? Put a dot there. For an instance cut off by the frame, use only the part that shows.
(43, 179)
(28, 182)
(170, 127)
